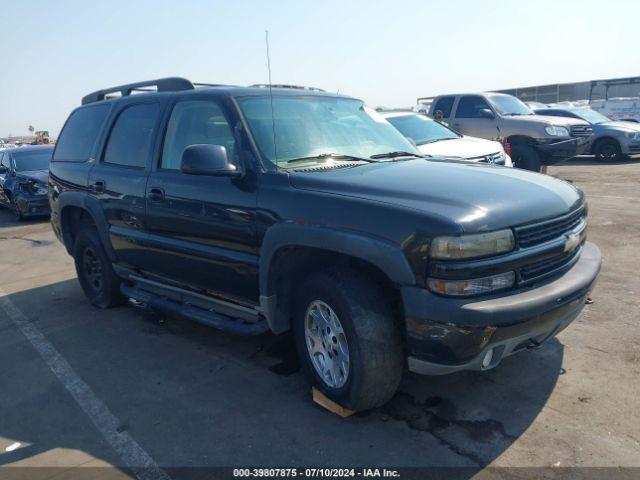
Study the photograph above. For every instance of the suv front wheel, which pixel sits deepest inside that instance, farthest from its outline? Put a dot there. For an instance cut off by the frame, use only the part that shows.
(99, 282)
(348, 339)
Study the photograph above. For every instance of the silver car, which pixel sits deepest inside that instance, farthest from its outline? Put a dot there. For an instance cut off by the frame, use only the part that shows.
(611, 140)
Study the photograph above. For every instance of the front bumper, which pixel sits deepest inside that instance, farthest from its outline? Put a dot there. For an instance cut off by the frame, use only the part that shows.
(445, 335)
(33, 205)
(552, 153)
(630, 147)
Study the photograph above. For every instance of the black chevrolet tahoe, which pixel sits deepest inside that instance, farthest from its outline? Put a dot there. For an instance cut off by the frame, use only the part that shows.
(261, 208)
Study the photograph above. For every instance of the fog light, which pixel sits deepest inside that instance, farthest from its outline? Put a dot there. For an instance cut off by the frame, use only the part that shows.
(473, 286)
(486, 361)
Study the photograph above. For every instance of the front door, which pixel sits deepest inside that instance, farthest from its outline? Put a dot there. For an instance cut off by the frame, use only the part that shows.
(202, 228)
(119, 179)
(470, 121)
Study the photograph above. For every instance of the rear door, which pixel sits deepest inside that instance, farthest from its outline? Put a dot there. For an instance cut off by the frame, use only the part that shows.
(119, 178)
(469, 121)
(444, 105)
(202, 228)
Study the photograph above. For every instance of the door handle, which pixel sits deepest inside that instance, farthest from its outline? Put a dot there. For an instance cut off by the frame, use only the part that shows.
(99, 186)
(156, 194)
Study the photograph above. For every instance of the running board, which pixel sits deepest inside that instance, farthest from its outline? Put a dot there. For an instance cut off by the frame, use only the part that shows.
(207, 317)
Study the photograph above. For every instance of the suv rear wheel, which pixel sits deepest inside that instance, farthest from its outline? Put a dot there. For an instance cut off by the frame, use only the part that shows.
(99, 282)
(348, 339)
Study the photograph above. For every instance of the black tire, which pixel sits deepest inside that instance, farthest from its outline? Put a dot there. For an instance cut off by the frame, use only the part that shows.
(372, 334)
(16, 211)
(99, 282)
(607, 150)
(525, 157)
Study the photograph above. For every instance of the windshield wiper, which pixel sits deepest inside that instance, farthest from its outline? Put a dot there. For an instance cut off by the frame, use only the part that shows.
(396, 154)
(330, 156)
(437, 140)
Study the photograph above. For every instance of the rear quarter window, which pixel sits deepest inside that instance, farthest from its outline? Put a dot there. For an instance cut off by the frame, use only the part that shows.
(79, 134)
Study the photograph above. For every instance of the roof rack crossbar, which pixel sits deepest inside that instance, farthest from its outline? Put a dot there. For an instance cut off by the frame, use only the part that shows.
(282, 85)
(169, 84)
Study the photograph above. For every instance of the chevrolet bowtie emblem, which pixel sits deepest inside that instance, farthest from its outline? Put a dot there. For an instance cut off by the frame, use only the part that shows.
(573, 240)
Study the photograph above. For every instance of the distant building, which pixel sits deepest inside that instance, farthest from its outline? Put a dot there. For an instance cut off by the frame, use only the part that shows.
(593, 89)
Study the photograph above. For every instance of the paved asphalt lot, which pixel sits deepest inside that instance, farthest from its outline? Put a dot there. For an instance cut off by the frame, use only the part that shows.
(130, 385)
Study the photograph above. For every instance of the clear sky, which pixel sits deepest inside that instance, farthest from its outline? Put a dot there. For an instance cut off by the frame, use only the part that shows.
(385, 52)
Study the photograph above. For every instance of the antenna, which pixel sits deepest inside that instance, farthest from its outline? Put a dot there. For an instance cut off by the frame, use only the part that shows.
(273, 119)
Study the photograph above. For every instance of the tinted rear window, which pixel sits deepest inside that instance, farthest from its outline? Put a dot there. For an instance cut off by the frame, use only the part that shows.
(79, 134)
(129, 144)
(444, 104)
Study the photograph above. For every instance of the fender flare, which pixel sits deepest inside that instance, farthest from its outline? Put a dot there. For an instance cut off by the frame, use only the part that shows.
(92, 207)
(384, 255)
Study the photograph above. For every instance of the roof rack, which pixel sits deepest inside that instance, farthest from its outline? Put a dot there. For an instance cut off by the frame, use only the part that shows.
(282, 85)
(170, 84)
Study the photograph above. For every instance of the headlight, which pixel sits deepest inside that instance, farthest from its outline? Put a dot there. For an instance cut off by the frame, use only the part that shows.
(474, 286)
(557, 131)
(632, 135)
(35, 188)
(472, 246)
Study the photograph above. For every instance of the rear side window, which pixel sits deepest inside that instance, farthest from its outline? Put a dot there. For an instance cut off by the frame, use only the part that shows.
(79, 134)
(444, 104)
(131, 137)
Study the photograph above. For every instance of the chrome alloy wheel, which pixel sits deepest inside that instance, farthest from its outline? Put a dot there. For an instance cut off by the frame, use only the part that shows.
(326, 344)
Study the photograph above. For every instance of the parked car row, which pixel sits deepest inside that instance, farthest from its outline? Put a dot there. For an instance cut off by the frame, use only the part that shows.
(255, 209)
(534, 140)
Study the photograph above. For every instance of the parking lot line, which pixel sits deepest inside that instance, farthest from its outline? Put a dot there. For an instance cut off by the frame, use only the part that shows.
(131, 453)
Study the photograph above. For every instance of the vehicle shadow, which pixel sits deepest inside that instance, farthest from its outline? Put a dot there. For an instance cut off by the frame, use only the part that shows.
(194, 396)
(589, 160)
(8, 219)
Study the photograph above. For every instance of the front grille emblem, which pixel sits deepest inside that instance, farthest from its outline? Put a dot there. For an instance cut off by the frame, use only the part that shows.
(573, 240)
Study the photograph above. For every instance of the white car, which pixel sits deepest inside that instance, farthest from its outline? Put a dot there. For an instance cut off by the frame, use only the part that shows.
(437, 140)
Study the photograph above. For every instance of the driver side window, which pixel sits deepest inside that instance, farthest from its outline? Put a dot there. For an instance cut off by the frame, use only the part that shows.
(191, 123)
(470, 106)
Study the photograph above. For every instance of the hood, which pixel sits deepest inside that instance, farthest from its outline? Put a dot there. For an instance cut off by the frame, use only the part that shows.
(547, 119)
(41, 176)
(477, 197)
(465, 147)
(626, 126)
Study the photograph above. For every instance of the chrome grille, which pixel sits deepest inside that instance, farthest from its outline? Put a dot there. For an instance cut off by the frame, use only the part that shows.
(495, 158)
(535, 234)
(581, 130)
(547, 267)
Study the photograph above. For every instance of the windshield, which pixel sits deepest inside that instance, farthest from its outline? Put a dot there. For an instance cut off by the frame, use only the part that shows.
(508, 105)
(421, 129)
(590, 116)
(28, 161)
(310, 126)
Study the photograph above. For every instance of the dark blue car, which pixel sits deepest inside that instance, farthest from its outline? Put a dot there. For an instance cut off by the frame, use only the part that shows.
(23, 178)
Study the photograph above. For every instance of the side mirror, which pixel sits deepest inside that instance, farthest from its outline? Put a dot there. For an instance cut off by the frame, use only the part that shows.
(486, 113)
(203, 159)
(3, 169)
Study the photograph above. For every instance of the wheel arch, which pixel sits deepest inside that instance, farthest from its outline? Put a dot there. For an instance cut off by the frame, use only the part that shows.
(602, 139)
(291, 251)
(76, 209)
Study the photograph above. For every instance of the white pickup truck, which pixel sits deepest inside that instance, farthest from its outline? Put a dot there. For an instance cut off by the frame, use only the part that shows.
(622, 108)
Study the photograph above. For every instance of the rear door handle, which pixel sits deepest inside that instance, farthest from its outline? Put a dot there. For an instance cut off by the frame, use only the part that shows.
(99, 186)
(156, 194)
